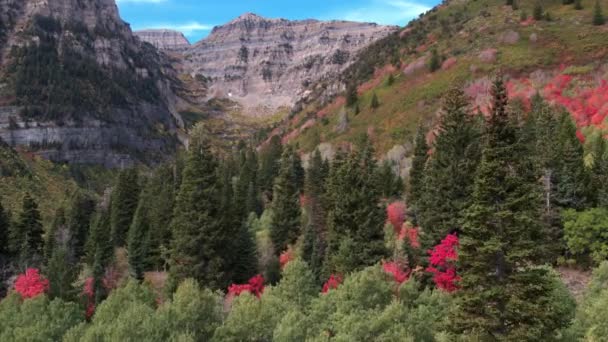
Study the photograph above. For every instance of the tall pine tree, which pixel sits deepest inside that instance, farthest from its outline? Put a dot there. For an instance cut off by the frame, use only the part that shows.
(450, 171)
(503, 296)
(27, 240)
(417, 172)
(285, 223)
(356, 218)
(5, 229)
(79, 216)
(270, 162)
(198, 240)
(138, 241)
(124, 203)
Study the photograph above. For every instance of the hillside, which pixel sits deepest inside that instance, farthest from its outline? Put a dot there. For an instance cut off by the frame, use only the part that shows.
(559, 56)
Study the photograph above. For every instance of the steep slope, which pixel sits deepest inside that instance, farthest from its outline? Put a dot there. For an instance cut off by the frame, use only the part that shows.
(164, 39)
(562, 56)
(265, 64)
(78, 86)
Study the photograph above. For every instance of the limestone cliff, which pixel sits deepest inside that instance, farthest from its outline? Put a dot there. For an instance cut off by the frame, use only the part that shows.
(164, 39)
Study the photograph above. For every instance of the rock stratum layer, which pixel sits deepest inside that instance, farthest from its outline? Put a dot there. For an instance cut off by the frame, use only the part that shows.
(77, 86)
(164, 39)
(265, 64)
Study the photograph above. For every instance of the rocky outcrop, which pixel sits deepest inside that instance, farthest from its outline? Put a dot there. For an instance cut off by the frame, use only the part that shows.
(102, 96)
(164, 39)
(265, 64)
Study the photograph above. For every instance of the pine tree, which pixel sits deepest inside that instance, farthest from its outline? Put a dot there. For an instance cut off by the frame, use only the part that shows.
(598, 15)
(572, 176)
(198, 239)
(315, 230)
(435, 62)
(54, 235)
(124, 203)
(270, 159)
(247, 194)
(5, 229)
(79, 215)
(99, 247)
(351, 95)
(599, 171)
(502, 296)
(391, 185)
(245, 264)
(417, 172)
(450, 171)
(374, 104)
(285, 225)
(390, 80)
(356, 218)
(61, 272)
(138, 241)
(27, 234)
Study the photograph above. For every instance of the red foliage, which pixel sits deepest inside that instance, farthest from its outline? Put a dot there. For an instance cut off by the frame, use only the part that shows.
(411, 234)
(255, 286)
(395, 213)
(88, 292)
(399, 275)
(332, 283)
(286, 257)
(442, 258)
(31, 284)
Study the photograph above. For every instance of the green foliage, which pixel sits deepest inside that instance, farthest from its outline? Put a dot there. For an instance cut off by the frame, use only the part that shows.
(435, 62)
(37, 319)
(26, 238)
(270, 162)
(538, 11)
(124, 203)
(61, 272)
(417, 173)
(79, 216)
(450, 171)
(138, 243)
(285, 226)
(351, 95)
(585, 233)
(5, 228)
(355, 217)
(591, 319)
(391, 185)
(374, 104)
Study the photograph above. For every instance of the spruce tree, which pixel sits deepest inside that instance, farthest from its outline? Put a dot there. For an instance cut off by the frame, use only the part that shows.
(270, 159)
(315, 230)
(99, 247)
(27, 234)
(356, 217)
(56, 233)
(198, 239)
(245, 263)
(61, 272)
(572, 176)
(503, 296)
(247, 194)
(285, 224)
(79, 216)
(417, 172)
(124, 203)
(599, 171)
(598, 15)
(5, 229)
(450, 171)
(138, 242)
(351, 95)
(435, 62)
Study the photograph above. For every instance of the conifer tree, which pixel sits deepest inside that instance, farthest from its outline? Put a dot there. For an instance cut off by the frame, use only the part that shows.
(315, 230)
(138, 242)
(79, 216)
(27, 234)
(285, 224)
(61, 272)
(270, 159)
(198, 240)
(247, 198)
(578, 5)
(450, 171)
(351, 95)
(435, 62)
(374, 104)
(54, 234)
(572, 176)
(245, 263)
(390, 80)
(502, 295)
(5, 229)
(417, 172)
(99, 245)
(598, 15)
(599, 171)
(124, 203)
(391, 185)
(356, 218)
(538, 11)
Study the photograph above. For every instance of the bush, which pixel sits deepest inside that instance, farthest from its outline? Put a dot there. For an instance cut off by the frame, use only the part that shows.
(585, 233)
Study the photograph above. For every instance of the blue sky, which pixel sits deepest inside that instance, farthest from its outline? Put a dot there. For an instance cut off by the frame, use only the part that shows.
(195, 18)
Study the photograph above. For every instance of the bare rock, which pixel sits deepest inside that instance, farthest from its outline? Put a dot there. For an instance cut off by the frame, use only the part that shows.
(164, 39)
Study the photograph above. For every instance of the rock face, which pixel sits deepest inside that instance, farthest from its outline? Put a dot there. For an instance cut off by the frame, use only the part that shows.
(265, 64)
(164, 39)
(100, 95)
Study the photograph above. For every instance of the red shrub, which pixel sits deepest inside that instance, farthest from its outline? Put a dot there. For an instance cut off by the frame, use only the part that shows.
(332, 283)
(411, 234)
(395, 213)
(31, 284)
(88, 292)
(255, 286)
(286, 257)
(442, 258)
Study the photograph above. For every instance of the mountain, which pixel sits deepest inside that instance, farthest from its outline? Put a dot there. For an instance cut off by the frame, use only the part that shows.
(560, 54)
(164, 39)
(266, 64)
(77, 86)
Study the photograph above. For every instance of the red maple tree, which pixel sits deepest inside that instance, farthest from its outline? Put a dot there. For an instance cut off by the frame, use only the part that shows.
(399, 275)
(255, 286)
(31, 284)
(395, 213)
(442, 260)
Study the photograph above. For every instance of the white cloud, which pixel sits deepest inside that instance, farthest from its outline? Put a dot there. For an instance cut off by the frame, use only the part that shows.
(387, 12)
